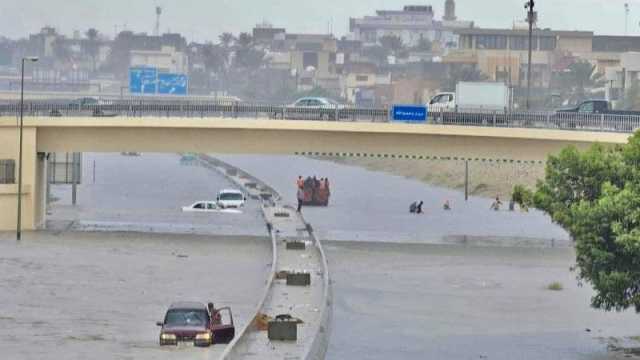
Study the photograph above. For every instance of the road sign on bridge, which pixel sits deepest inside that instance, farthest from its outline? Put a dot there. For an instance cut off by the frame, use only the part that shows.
(409, 113)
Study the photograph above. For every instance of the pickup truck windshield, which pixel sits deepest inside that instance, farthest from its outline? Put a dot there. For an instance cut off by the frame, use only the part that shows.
(180, 317)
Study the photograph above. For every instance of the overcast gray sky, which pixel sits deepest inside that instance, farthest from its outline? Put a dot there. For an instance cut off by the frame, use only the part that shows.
(205, 19)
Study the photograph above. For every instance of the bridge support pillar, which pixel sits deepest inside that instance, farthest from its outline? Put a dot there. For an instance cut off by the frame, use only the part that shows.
(33, 181)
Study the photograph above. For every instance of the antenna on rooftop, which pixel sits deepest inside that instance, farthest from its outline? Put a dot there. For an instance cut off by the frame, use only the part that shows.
(156, 31)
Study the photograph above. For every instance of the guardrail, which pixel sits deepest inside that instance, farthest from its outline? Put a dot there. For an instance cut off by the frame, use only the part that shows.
(232, 109)
(318, 348)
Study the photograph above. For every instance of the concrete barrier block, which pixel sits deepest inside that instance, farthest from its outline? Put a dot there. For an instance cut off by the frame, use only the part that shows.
(296, 245)
(283, 330)
(299, 279)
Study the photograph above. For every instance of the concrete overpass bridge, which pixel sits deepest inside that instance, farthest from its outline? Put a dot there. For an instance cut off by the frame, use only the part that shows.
(256, 136)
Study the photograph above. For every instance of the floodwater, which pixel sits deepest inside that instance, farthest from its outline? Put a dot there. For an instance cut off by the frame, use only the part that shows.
(147, 193)
(464, 302)
(465, 284)
(374, 206)
(83, 295)
(77, 295)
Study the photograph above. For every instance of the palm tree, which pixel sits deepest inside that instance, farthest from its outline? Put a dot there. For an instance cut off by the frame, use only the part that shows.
(226, 39)
(92, 46)
(245, 40)
(215, 60)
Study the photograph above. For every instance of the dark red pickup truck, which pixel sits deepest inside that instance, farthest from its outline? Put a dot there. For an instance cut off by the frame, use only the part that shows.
(193, 322)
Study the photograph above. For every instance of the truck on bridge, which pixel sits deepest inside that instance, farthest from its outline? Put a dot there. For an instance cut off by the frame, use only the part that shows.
(596, 107)
(472, 96)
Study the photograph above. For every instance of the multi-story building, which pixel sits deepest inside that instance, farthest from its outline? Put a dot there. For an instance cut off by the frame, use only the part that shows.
(412, 24)
(502, 54)
(167, 53)
(166, 59)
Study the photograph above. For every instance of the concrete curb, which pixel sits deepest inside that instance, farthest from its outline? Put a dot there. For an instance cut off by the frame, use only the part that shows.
(318, 347)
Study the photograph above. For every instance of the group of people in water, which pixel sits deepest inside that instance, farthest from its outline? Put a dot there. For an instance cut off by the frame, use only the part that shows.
(312, 183)
(416, 207)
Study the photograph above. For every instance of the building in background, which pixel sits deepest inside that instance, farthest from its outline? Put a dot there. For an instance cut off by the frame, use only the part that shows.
(502, 54)
(413, 24)
(165, 59)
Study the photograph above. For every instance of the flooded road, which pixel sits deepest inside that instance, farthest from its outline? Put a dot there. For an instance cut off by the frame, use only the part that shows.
(465, 284)
(77, 295)
(82, 295)
(374, 206)
(454, 302)
(147, 193)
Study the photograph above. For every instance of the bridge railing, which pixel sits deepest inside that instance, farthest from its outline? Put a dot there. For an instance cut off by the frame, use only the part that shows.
(540, 119)
(195, 108)
(236, 109)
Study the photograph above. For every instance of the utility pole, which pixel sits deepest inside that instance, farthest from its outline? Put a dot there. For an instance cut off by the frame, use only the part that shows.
(529, 5)
(20, 130)
(626, 19)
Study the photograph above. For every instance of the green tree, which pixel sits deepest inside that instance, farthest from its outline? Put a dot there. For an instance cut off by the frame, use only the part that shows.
(575, 81)
(595, 196)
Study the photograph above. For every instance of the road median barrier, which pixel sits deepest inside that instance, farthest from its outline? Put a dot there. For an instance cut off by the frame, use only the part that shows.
(301, 278)
(296, 245)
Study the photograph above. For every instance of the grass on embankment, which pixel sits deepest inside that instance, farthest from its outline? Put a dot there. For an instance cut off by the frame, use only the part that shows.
(486, 179)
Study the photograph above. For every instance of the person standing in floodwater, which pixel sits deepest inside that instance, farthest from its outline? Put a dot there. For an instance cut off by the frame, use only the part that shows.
(300, 197)
(419, 208)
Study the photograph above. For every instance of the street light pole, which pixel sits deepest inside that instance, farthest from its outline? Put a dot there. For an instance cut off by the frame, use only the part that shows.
(19, 222)
(529, 5)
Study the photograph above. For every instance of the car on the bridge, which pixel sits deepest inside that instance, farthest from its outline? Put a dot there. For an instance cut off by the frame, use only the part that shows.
(85, 106)
(196, 323)
(230, 199)
(315, 108)
(592, 113)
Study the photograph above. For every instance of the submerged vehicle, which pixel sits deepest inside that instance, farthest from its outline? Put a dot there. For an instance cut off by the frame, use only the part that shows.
(197, 324)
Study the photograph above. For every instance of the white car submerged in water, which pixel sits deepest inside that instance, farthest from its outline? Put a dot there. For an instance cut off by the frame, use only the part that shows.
(208, 207)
